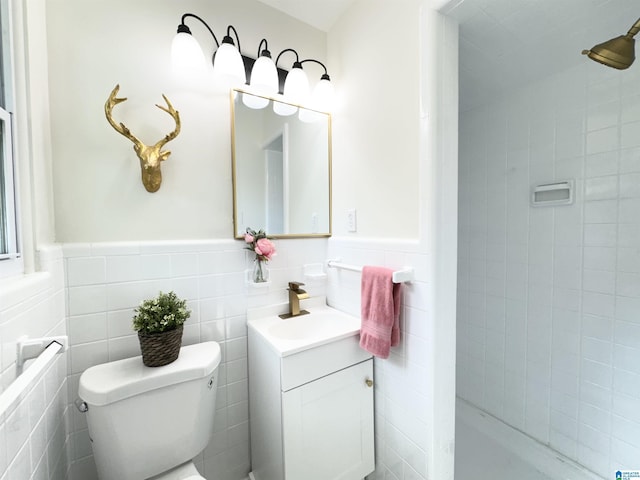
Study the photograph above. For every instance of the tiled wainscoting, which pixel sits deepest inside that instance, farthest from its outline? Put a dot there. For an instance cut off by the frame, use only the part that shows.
(46, 436)
(106, 281)
(33, 431)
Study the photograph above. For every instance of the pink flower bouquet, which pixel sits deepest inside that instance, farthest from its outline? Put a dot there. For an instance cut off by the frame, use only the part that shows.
(258, 243)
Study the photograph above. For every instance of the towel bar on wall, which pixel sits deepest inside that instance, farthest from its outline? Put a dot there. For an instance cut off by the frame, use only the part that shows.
(399, 276)
(43, 350)
(30, 348)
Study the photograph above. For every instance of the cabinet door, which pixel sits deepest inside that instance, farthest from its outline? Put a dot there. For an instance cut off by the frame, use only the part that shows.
(328, 426)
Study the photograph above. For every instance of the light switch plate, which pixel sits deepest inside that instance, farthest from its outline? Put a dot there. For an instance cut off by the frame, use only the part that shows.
(351, 220)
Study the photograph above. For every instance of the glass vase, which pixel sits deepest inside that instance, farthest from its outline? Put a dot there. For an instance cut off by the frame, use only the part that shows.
(260, 272)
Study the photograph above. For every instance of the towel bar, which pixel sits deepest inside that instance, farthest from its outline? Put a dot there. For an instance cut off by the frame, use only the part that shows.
(43, 350)
(399, 276)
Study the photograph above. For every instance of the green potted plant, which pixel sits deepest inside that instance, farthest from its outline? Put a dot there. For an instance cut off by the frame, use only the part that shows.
(159, 323)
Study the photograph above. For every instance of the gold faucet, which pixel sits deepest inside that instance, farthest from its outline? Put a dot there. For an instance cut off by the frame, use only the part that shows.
(295, 295)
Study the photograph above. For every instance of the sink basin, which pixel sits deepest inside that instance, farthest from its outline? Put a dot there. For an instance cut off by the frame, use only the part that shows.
(311, 325)
(322, 325)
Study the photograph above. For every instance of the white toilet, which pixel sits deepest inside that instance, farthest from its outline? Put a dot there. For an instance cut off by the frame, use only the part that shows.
(149, 423)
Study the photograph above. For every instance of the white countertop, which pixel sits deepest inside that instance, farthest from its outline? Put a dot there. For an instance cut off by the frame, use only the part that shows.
(322, 325)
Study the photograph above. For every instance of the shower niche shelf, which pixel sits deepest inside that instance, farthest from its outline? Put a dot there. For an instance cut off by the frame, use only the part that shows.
(551, 194)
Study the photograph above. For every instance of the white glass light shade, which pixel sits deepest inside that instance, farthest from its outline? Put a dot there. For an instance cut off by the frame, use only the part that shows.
(321, 101)
(296, 86)
(264, 81)
(296, 90)
(186, 54)
(228, 66)
(284, 109)
(264, 76)
(254, 102)
(322, 97)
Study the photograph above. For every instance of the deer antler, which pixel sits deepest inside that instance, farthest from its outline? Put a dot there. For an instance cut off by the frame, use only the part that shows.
(150, 156)
(176, 117)
(121, 128)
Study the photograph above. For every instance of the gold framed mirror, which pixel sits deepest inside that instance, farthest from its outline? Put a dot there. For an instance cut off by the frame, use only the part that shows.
(281, 166)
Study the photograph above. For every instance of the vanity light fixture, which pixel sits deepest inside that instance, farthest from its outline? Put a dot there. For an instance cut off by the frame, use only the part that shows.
(186, 53)
(232, 68)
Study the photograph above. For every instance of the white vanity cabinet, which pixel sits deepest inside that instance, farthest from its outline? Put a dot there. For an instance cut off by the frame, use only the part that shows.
(327, 426)
(311, 409)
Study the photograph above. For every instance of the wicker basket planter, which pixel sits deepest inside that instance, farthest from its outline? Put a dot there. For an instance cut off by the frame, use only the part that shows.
(160, 349)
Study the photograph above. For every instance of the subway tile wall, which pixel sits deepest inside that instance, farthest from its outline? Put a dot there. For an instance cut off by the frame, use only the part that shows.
(34, 443)
(46, 436)
(549, 297)
(106, 281)
(402, 381)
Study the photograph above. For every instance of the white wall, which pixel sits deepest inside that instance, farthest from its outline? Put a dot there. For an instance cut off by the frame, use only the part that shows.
(549, 297)
(395, 161)
(376, 148)
(98, 193)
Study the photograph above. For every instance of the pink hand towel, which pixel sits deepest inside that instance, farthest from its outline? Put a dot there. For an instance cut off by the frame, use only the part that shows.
(380, 311)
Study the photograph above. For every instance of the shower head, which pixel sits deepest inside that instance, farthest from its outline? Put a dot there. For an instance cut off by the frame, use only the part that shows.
(618, 52)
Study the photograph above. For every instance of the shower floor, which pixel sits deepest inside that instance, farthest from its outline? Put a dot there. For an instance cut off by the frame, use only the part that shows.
(480, 458)
(487, 449)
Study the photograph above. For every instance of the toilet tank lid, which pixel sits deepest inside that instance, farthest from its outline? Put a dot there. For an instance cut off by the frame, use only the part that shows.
(110, 382)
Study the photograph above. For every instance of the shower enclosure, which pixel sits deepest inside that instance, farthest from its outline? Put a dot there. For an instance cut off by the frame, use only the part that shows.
(548, 326)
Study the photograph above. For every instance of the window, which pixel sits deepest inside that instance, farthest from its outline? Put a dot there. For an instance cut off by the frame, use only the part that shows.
(9, 245)
(8, 231)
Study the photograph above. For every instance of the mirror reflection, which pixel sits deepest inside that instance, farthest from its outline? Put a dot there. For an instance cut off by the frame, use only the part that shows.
(281, 167)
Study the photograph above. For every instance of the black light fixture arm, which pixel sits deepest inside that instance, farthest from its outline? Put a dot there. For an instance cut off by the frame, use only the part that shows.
(228, 36)
(325, 76)
(296, 64)
(183, 28)
(265, 52)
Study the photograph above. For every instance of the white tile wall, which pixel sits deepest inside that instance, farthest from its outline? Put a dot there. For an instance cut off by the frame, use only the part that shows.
(106, 281)
(402, 380)
(549, 298)
(33, 432)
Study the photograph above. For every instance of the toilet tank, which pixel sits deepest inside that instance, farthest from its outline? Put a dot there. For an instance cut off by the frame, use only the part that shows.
(144, 421)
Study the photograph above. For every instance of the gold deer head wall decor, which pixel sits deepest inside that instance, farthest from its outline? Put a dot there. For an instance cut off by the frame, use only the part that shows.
(150, 156)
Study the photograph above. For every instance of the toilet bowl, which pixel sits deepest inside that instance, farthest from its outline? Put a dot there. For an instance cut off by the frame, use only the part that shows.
(150, 422)
(186, 471)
